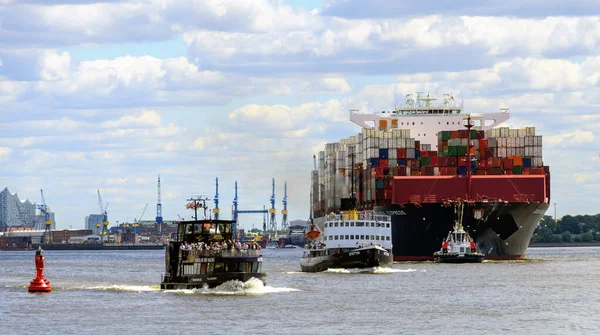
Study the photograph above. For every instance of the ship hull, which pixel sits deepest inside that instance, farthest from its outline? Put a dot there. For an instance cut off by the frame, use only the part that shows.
(210, 281)
(362, 258)
(501, 230)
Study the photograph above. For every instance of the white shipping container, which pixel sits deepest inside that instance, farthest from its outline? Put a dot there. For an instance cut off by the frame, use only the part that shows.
(392, 163)
(530, 131)
(475, 143)
(436, 171)
(410, 153)
(392, 153)
(537, 161)
(522, 132)
(502, 152)
(538, 141)
(464, 142)
(520, 151)
(492, 142)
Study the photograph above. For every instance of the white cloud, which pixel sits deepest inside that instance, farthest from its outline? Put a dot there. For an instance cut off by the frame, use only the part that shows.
(569, 139)
(145, 118)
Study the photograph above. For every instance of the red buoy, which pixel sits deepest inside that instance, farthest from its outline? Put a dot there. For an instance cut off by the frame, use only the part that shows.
(39, 283)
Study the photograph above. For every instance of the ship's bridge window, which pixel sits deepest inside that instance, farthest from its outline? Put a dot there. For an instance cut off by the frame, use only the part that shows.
(387, 225)
(447, 123)
(413, 123)
(351, 237)
(336, 223)
(362, 237)
(387, 238)
(360, 224)
(336, 237)
(330, 237)
(372, 224)
(377, 237)
(352, 224)
(347, 237)
(372, 237)
(347, 224)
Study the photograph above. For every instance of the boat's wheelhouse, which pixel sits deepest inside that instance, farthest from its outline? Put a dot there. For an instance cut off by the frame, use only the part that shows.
(205, 252)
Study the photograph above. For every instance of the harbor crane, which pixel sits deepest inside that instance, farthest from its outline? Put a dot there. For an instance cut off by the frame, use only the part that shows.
(284, 212)
(104, 214)
(138, 219)
(159, 217)
(45, 210)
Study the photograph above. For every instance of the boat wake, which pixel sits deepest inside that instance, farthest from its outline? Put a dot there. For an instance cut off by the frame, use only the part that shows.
(125, 288)
(375, 270)
(237, 288)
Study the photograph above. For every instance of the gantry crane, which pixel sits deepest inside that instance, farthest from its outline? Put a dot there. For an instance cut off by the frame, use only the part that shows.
(284, 212)
(45, 210)
(104, 214)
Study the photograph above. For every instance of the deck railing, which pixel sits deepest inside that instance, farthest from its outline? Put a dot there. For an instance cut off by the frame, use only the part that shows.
(218, 253)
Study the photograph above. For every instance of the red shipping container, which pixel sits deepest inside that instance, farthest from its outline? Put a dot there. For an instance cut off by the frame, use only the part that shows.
(401, 153)
(507, 164)
(480, 172)
(417, 145)
(443, 160)
(452, 171)
(379, 194)
(383, 163)
(463, 161)
(452, 161)
(388, 193)
(463, 133)
(433, 154)
(454, 134)
(443, 171)
(415, 173)
(483, 164)
(526, 171)
(508, 172)
(483, 144)
(434, 161)
(377, 172)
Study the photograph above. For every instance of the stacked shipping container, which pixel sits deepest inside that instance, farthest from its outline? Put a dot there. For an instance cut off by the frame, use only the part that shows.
(373, 157)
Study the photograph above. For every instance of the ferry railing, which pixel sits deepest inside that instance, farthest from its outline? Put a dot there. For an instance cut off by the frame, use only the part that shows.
(218, 253)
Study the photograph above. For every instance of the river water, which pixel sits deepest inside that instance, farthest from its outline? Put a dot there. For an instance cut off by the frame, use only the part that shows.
(555, 291)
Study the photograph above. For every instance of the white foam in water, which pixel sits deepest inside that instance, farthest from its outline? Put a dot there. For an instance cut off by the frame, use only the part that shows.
(126, 288)
(375, 270)
(235, 287)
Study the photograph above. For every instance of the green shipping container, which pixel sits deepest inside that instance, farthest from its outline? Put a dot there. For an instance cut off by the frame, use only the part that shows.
(424, 161)
(452, 151)
(461, 151)
(518, 170)
(444, 135)
(473, 134)
(369, 195)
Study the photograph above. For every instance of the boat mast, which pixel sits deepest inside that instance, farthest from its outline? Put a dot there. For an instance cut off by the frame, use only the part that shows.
(469, 126)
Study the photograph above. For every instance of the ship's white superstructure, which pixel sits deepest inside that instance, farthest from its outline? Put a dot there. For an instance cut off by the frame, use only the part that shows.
(425, 120)
(354, 229)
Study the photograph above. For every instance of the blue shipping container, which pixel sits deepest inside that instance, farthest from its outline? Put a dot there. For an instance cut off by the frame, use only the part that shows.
(383, 153)
(526, 162)
(379, 184)
(461, 170)
(374, 162)
(402, 162)
(417, 154)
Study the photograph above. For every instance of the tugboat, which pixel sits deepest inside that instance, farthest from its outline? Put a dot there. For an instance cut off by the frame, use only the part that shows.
(458, 247)
(351, 240)
(206, 253)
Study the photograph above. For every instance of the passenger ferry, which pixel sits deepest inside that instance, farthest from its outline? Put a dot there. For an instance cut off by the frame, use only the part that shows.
(206, 253)
(351, 240)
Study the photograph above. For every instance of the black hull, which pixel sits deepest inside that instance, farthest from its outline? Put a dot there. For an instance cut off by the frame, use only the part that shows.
(459, 258)
(503, 230)
(209, 281)
(355, 259)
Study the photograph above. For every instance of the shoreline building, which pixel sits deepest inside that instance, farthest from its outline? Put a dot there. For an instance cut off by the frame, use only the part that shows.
(15, 212)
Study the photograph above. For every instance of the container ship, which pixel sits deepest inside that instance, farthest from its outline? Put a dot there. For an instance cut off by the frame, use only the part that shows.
(416, 162)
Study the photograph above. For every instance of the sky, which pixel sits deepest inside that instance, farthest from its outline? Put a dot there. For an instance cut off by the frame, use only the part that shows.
(106, 95)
